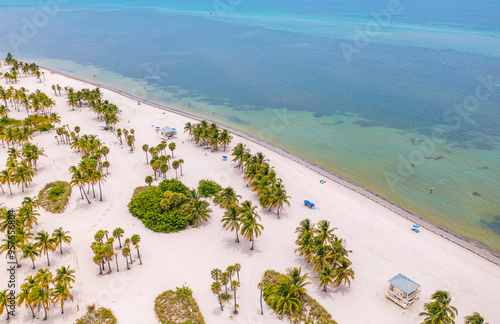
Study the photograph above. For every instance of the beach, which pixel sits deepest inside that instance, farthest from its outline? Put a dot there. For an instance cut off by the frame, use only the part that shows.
(381, 240)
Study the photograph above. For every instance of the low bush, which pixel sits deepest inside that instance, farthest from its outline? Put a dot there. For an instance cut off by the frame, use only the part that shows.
(54, 197)
(97, 316)
(208, 188)
(178, 306)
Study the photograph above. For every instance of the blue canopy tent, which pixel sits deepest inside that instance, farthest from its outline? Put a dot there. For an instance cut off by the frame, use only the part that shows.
(309, 204)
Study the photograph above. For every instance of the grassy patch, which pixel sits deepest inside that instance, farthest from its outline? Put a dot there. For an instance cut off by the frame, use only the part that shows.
(311, 312)
(138, 190)
(10, 121)
(54, 197)
(97, 316)
(178, 306)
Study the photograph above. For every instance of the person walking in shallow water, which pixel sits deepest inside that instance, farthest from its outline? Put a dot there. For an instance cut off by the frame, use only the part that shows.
(432, 189)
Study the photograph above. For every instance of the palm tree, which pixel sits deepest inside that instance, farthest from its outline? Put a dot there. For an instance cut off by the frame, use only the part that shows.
(181, 162)
(149, 180)
(224, 279)
(278, 197)
(99, 178)
(45, 244)
(231, 220)
(24, 174)
(196, 209)
(326, 277)
(145, 148)
(61, 292)
(163, 169)
(135, 239)
(227, 197)
(7, 177)
(323, 232)
(251, 229)
(65, 276)
(126, 253)
(24, 295)
(171, 147)
(216, 289)
(238, 153)
(234, 285)
(439, 311)
(175, 165)
(61, 236)
(237, 268)
(298, 279)
(475, 318)
(4, 302)
(283, 297)
(30, 251)
(11, 243)
(343, 273)
(260, 285)
(43, 297)
(118, 233)
(98, 259)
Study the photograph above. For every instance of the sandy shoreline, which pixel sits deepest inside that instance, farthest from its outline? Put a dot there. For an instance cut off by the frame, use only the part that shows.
(473, 246)
(382, 242)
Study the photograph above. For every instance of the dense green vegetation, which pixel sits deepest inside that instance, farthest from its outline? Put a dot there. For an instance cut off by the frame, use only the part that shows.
(95, 315)
(286, 295)
(54, 197)
(178, 306)
(169, 207)
(208, 188)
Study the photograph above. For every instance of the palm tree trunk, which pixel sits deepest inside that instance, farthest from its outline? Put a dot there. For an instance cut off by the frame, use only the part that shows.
(237, 237)
(126, 259)
(17, 263)
(109, 265)
(116, 259)
(119, 241)
(100, 192)
(139, 255)
(252, 244)
(60, 247)
(261, 309)
(100, 268)
(33, 260)
(48, 261)
(32, 311)
(235, 310)
(80, 190)
(86, 196)
(220, 302)
(62, 307)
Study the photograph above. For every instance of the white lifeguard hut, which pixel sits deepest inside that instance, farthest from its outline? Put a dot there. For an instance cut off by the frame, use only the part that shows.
(403, 291)
(168, 132)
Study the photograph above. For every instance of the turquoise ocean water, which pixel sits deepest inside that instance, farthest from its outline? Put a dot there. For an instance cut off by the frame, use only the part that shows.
(361, 88)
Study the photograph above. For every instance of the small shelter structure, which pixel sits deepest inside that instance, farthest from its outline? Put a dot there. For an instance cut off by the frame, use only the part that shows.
(403, 291)
(168, 132)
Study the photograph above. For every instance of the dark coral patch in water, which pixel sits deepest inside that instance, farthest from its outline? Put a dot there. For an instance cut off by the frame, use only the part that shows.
(366, 123)
(494, 225)
(477, 194)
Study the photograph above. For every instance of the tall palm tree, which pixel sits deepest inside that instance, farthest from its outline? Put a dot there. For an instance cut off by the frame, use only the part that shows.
(4, 302)
(43, 297)
(118, 233)
(234, 286)
(231, 220)
(324, 233)
(126, 253)
(298, 279)
(60, 294)
(135, 239)
(30, 251)
(343, 273)
(7, 177)
(251, 229)
(24, 174)
(65, 276)
(216, 289)
(439, 311)
(24, 295)
(196, 209)
(175, 166)
(59, 235)
(145, 148)
(45, 244)
(181, 162)
(278, 196)
(260, 285)
(98, 259)
(475, 318)
(172, 147)
(227, 197)
(43, 278)
(326, 277)
(149, 180)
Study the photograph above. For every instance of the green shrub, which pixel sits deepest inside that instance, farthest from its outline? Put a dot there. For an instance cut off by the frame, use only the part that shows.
(208, 188)
(178, 306)
(174, 186)
(97, 316)
(54, 197)
(147, 203)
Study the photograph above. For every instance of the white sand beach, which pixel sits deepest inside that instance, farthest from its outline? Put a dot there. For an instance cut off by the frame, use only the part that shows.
(381, 241)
